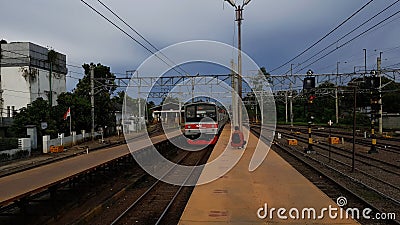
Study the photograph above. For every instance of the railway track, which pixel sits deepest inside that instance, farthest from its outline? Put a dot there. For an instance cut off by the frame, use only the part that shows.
(385, 144)
(153, 205)
(366, 159)
(87, 184)
(376, 173)
(335, 183)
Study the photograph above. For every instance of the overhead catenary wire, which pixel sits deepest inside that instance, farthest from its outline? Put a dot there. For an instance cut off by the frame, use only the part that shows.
(28, 56)
(140, 35)
(346, 43)
(352, 31)
(147, 41)
(130, 36)
(325, 36)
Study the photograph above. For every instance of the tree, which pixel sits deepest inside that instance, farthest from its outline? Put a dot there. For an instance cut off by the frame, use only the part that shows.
(79, 106)
(104, 89)
(34, 114)
(390, 95)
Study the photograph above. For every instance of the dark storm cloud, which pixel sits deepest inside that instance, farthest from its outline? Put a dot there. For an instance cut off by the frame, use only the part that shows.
(273, 31)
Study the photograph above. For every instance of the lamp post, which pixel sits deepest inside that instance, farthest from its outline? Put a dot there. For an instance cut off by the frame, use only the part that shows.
(238, 87)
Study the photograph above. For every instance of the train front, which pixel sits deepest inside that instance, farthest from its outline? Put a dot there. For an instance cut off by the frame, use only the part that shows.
(201, 123)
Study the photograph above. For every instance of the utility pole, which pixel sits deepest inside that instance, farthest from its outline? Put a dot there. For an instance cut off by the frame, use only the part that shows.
(234, 96)
(139, 104)
(286, 107)
(379, 66)
(92, 97)
(291, 104)
(239, 18)
(336, 105)
(50, 91)
(1, 90)
(353, 158)
(336, 96)
(291, 96)
(365, 61)
(375, 95)
(192, 89)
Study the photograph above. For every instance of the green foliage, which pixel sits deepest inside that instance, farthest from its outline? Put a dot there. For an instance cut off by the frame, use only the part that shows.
(79, 102)
(39, 111)
(79, 106)
(4, 157)
(20, 154)
(8, 143)
(390, 96)
(324, 105)
(52, 56)
(389, 101)
(104, 89)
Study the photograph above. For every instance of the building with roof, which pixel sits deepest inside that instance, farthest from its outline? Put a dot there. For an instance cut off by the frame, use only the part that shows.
(25, 70)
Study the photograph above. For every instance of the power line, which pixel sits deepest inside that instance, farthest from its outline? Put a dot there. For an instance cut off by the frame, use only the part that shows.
(28, 56)
(79, 67)
(130, 36)
(329, 33)
(134, 30)
(354, 38)
(333, 43)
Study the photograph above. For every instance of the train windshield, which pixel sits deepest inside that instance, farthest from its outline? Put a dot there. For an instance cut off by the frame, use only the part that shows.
(196, 113)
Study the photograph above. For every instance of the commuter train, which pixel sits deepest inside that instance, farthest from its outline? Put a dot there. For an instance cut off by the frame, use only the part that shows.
(203, 122)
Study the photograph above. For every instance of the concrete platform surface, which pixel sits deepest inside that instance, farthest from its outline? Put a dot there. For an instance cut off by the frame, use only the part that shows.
(31, 181)
(241, 197)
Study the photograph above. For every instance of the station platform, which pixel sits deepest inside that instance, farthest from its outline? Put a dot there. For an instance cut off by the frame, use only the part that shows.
(26, 183)
(243, 197)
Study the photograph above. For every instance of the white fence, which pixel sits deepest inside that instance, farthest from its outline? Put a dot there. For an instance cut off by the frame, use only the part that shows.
(65, 141)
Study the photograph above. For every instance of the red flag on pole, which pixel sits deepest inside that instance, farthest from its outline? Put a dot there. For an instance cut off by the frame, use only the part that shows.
(68, 113)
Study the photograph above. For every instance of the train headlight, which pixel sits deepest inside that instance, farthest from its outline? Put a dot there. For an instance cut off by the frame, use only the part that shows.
(189, 127)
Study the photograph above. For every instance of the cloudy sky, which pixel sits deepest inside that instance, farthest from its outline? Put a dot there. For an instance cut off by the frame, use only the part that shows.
(273, 31)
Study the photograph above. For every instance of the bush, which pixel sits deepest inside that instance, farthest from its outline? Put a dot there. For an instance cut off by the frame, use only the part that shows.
(4, 157)
(8, 143)
(20, 154)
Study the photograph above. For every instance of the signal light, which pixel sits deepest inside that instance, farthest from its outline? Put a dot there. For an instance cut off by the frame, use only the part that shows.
(374, 81)
(309, 83)
(311, 98)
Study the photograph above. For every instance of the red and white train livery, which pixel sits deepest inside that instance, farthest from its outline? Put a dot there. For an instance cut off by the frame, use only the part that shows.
(203, 122)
